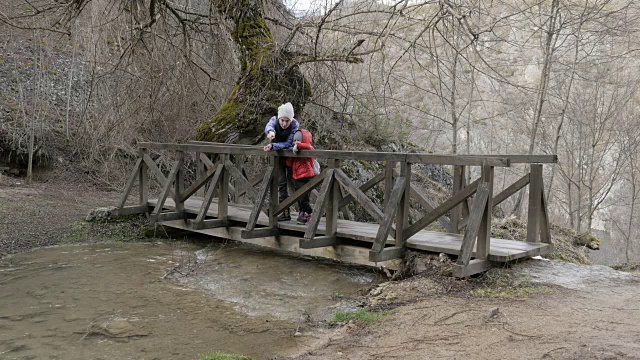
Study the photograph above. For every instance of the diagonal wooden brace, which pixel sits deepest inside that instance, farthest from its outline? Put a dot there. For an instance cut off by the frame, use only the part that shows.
(475, 218)
(389, 214)
(262, 194)
(320, 205)
(132, 178)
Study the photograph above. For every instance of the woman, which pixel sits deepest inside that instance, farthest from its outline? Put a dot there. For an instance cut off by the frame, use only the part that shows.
(280, 131)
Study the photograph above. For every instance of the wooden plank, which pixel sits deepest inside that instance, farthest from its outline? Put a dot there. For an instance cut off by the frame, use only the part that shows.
(535, 198)
(169, 216)
(217, 148)
(484, 233)
(465, 204)
(317, 242)
(441, 209)
(200, 172)
(428, 204)
(143, 181)
(262, 194)
(475, 218)
(345, 253)
(273, 191)
(389, 214)
(456, 212)
(545, 230)
(475, 266)
(300, 192)
(387, 254)
(467, 160)
(526, 159)
(165, 191)
(208, 197)
(179, 183)
(358, 195)
(255, 181)
(132, 178)
(207, 224)
(239, 159)
(130, 210)
(363, 188)
(511, 189)
(240, 179)
(335, 154)
(154, 169)
(501, 250)
(312, 226)
(345, 209)
(207, 162)
(402, 216)
(333, 198)
(198, 184)
(504, 194)
(388, 181)
(223, 187)
(259, 233)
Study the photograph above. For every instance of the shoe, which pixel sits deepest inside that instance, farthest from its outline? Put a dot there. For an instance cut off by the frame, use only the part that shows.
(285, 216)
(304, 218)
(300, 217)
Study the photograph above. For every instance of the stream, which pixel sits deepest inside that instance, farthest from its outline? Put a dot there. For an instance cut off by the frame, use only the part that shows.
(168, 300)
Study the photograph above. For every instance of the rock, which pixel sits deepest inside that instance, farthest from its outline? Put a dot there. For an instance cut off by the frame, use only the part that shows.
(297, 333)
(588, 240)
(492, 313)
(100, 214)
(375, 292)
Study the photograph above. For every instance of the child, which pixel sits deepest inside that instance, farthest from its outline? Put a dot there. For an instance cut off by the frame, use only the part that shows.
(302, 172)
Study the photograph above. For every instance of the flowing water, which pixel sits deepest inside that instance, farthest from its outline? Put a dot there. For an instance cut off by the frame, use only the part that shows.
(167, 301)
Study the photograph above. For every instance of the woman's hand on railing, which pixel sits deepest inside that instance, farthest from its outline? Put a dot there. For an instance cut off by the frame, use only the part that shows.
(267, 147)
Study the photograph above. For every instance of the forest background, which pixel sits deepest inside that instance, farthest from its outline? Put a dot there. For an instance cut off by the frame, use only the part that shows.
(83, 81)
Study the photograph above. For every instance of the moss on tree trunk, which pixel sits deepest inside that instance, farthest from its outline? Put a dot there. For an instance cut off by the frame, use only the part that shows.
(266, 79)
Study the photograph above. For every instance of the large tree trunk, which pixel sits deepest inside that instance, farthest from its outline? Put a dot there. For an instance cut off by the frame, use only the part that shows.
(266, 80)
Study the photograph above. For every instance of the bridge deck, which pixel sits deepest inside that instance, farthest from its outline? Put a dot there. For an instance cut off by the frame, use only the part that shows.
(501, 250)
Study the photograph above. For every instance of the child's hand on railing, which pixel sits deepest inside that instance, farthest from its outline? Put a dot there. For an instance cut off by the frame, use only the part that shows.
(268, 147)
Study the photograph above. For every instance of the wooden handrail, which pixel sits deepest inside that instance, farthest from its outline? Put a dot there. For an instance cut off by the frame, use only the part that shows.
(444, 159)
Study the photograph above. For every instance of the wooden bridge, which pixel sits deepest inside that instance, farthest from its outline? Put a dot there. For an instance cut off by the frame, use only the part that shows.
(210, 204)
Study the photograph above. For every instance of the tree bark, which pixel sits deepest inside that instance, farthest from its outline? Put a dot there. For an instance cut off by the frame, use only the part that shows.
(267, 79)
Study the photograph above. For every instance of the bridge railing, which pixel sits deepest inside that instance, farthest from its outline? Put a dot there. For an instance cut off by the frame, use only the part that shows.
(223, 179)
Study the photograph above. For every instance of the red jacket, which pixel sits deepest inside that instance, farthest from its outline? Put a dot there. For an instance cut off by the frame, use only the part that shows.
(302, 167)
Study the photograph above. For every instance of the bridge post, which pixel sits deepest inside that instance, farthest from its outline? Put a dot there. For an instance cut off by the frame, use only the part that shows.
(274, 198)
(333, 201)
(456, 212)
(388, 181)
(484, 234)
(179, 184)
(402, 216)
(535, 203)
(143, 179)
(223, 190)
(199, 172)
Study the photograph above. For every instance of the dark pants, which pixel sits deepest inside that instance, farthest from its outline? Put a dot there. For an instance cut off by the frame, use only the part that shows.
(285, 174)
(303, 203)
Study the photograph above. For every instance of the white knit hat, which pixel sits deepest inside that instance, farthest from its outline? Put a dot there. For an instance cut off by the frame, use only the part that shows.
(285, 111)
